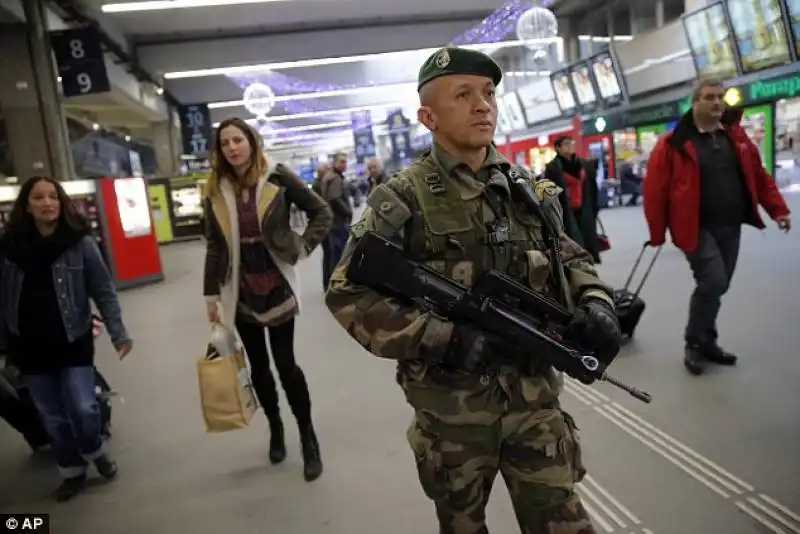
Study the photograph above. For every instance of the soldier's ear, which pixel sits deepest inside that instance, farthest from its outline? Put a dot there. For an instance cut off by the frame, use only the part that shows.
(426, 117)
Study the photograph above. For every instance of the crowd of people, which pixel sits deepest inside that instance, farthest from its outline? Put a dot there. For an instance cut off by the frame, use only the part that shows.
(458, 212)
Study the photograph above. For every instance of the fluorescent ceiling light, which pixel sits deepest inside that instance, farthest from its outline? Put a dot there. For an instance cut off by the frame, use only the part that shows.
(309, 127)
(382, 56)
(160, 5)
(525, 73)
(325, 113)
(411, 87)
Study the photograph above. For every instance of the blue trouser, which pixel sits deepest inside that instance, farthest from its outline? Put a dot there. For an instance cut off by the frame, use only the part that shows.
(68, 407)
(333, 247)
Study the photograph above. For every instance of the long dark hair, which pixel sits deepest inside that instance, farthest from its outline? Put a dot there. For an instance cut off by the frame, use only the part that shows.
(220, 168)
(20, 222)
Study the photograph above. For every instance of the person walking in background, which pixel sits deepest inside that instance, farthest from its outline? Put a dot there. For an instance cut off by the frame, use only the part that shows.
(630, 181)
(250, 281)
(51, 269)
(704, 180)
(579, 202)
(336, 192)
(375, 175)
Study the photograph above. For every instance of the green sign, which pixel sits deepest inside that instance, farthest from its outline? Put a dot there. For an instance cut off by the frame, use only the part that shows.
(652, 115)
(770, 90)
(661, 113)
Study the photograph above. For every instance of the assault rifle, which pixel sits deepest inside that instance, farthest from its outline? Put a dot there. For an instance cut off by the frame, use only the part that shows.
(496, 304)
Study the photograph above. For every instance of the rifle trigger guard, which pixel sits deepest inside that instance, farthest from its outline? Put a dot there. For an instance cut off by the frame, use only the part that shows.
(590, 362)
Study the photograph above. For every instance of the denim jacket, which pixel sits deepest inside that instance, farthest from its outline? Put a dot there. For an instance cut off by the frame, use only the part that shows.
(78, 275)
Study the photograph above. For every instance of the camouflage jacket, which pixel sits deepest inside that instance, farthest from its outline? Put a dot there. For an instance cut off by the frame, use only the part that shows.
(438, 207)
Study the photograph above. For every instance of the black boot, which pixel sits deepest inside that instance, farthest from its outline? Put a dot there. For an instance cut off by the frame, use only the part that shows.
(312, 461)
(694, 360)
(718, 355)
(71, 487)
(106, 467)
(277, 442)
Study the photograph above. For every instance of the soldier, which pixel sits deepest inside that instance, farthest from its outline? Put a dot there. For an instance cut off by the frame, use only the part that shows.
(478, 409)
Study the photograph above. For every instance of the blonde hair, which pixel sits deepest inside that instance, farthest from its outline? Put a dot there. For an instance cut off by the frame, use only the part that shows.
(221, 169)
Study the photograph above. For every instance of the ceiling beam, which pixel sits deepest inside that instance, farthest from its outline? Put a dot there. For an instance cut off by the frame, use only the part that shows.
(306, 29)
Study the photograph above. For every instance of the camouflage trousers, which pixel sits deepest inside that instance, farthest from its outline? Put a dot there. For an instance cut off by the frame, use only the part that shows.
(462, 438)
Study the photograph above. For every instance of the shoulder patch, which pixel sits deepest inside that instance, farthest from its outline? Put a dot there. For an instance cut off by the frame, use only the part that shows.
(388, 205)
(546, 190)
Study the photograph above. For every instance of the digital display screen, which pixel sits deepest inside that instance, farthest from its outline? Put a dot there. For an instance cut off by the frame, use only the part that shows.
(759, 32)
(584, 88)
(710, 42)
(562, 88)
(607, 80)
(133, 205)
(513, 109)
(793, 10)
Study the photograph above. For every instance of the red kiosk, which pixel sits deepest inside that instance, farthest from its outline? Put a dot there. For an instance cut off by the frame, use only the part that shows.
(131, 249)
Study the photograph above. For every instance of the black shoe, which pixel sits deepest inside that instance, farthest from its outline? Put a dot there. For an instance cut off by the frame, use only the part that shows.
(70, 488)
(312, 461)
(719, 356)
(106, 467)
(694, 360)
(277, 443)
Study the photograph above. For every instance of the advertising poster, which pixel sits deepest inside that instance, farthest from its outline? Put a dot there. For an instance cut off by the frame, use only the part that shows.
(363, 138)
(757, 122)
(606, 78)
(134, 206)
(759, 32)
(711, 43)
(625, 143)
(563, 91)
(584, 89)
(513, 109)
(793, 8)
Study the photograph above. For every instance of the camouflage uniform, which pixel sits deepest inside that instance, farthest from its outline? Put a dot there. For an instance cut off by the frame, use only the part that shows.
(467, 427)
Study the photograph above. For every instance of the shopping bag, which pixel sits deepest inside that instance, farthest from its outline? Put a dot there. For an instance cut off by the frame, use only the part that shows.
(226, 393)
(603, 242)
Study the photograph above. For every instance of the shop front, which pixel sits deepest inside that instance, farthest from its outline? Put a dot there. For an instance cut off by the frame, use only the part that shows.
(536, 151)
(628, 134)
(771, 117)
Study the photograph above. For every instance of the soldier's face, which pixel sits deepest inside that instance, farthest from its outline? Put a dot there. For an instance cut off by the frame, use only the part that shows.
(463, 110)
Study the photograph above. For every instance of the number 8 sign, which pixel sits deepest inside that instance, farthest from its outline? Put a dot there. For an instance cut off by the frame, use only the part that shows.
(80, 60)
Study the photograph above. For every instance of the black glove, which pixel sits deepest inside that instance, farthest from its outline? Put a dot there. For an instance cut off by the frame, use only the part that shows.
(469, 349)
(595, 327)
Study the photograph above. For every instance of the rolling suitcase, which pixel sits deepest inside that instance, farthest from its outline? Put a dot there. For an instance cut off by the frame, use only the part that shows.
(629, 305)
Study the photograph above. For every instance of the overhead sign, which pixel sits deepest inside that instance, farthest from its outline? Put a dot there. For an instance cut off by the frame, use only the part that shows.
(651, 115)
(196, 131)
(363, 137)
(80, 61)
(710, 41)
(769, 90)
(759, 33)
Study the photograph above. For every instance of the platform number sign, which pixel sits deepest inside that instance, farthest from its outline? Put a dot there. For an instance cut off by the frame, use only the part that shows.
(196, 129)
(80, 61)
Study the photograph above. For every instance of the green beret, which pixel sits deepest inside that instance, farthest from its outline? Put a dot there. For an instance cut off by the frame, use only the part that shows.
(453, 60)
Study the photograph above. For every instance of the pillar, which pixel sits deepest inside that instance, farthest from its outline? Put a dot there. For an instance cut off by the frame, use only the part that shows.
(659, 15)
(167, 146)
(30, 99)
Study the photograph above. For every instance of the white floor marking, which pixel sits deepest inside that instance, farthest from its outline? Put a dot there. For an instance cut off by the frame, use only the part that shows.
(761, 508)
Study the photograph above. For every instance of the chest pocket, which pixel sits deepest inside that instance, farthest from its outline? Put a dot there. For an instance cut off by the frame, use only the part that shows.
(452, 238)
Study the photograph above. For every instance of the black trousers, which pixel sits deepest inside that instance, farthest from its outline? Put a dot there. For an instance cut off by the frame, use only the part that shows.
(713, 264)
(281, 344)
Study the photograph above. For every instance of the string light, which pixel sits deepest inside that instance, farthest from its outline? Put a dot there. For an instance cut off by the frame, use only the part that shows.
(492, 29)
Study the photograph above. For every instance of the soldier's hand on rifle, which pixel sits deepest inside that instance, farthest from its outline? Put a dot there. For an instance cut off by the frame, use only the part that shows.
(469, 349)
(595, 326)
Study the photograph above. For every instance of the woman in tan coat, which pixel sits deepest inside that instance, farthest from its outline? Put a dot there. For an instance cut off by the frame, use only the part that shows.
(250, 283)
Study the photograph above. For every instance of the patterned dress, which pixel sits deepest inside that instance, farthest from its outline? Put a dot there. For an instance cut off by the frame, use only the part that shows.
(265, 296)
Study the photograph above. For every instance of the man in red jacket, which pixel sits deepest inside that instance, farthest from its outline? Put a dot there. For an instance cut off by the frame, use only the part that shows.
(704, 180)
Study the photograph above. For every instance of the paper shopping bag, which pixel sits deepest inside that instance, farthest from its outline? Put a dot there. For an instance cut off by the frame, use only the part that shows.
(226, 393)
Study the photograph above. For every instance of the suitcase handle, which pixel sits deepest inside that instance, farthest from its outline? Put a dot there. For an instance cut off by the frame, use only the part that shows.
(636, 266)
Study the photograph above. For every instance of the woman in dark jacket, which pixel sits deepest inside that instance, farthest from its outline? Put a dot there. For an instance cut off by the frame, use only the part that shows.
(51, 268)
(250, 283)
(578, 179)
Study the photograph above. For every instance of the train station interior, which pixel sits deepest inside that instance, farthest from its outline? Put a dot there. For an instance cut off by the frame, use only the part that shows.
(120, 101)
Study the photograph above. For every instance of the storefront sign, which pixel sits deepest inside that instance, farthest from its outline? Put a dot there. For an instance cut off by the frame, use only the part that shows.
(634, 117)
(770, 90)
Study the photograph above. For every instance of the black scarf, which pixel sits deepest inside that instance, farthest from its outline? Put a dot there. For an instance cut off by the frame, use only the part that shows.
(571, 165)
(31, 250)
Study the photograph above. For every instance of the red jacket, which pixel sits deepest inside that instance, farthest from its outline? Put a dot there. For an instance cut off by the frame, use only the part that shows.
(672, 185)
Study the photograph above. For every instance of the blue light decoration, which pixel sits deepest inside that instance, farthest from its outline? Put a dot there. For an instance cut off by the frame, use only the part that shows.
(492, 29)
